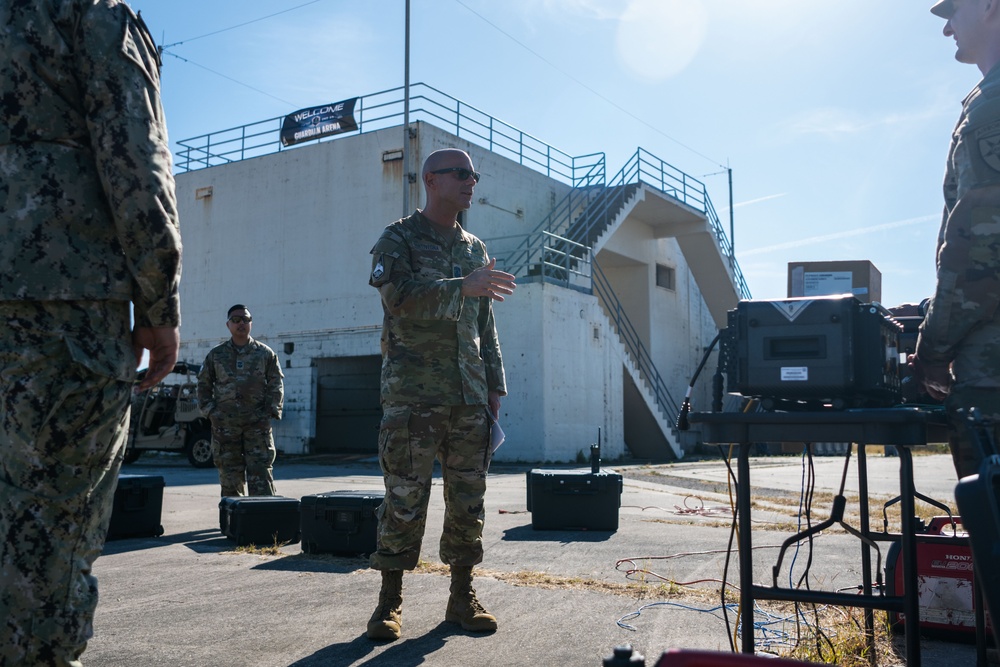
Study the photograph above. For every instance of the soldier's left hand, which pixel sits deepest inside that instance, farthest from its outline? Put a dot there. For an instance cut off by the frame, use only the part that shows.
(935, 378)
(488, 281)
(163, 344)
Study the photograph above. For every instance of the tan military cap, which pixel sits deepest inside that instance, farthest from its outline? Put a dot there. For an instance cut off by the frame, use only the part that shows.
(944, 9)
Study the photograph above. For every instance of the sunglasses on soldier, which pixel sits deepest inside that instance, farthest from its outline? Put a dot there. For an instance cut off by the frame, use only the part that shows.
(240, 319)
(461, 173)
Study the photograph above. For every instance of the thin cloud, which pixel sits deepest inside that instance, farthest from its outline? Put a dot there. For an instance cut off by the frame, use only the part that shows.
(754, 201)
(837, 236)
(838, 122)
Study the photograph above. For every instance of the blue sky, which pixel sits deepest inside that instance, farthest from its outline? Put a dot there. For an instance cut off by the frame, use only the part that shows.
(834, 115)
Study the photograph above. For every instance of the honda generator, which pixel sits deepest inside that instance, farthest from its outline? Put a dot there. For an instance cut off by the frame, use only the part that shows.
(944, 578)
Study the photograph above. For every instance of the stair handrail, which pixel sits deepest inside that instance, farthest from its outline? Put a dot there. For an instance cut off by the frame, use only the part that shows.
(555, 259)
(642, 167)
(563, 210)
(633, 344)
(543, 255)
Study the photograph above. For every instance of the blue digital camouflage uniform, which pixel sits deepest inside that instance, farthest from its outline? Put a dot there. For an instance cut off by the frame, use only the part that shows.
(962, 325)
(240, 391)
(440, 359)
(88, 219)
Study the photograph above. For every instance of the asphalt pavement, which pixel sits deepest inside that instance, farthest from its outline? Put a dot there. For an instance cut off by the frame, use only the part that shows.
(190, 598)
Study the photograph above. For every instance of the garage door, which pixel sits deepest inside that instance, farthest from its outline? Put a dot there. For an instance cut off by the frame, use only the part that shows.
(348, 410)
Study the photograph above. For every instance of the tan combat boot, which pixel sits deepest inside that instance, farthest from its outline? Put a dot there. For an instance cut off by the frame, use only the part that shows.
(387, 621)
(463, 607)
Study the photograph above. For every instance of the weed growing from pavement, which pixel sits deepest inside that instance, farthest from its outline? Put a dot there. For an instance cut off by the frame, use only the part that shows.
(254, 550)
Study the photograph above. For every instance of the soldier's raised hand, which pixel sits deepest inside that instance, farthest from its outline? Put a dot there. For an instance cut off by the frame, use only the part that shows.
(488, 281)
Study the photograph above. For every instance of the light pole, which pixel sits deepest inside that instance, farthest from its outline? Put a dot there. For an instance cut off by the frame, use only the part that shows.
(406, 116)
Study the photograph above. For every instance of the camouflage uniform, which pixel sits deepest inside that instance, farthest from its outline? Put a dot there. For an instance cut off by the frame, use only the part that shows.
(440, 359)
(962, 325)
(88, 220)
(240, 391)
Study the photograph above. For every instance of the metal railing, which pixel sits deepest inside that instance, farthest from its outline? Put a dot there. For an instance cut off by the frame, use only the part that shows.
(385, 109)
(557, 260)
(634, 345)
(547, 258)
(580, 215)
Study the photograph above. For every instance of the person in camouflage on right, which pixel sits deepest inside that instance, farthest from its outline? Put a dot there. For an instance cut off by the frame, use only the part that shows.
(957, 356)
(240, 391)
(441, 372)
(88, 221)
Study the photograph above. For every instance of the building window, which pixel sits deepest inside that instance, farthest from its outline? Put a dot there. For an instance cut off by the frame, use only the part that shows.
(665, 277)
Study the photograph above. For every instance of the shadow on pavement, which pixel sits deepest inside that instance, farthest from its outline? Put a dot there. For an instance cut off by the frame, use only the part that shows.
(529, 534)
(315, 563)
(405, 652)
(194, 539)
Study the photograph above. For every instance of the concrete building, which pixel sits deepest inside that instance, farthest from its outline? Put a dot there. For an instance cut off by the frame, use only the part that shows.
(623, 281)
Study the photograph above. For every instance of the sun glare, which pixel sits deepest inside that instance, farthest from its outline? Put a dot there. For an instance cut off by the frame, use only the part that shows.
(657, 39)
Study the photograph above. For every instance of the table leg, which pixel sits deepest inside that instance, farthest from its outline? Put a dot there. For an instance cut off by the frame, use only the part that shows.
(746, 548)
(911, 597)
(866, 555)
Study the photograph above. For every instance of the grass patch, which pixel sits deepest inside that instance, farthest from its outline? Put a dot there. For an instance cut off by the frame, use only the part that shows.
(836, 636)
(546, 581)
(254, 550)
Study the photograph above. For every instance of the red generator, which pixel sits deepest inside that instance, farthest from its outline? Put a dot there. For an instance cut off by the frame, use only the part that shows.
(944, 578)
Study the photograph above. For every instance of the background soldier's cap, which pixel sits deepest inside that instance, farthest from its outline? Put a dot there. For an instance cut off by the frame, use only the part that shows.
(944, 9)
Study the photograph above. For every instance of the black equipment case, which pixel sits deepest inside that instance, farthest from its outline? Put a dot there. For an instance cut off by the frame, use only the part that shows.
(574, 499)
(137, 507)
(340, 522)
(826, 349)
(259, 520)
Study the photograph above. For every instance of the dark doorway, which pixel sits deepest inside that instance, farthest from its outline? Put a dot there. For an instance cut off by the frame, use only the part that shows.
(347, 406)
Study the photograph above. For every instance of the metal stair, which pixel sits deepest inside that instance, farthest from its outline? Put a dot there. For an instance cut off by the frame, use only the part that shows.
(563, 249)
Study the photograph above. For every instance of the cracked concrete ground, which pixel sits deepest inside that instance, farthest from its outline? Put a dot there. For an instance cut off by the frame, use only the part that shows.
(188, 598)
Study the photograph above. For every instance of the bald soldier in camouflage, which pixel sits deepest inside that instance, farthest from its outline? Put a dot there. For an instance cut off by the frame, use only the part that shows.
(958, 352)
(240, 391)
(441, 372)
(88, 219)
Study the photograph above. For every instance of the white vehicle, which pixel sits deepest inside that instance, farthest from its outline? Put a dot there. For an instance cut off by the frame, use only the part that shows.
(166, 418)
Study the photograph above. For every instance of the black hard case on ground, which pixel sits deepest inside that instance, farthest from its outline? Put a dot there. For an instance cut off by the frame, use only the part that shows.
(574, 499)
(137, 507)
(339, 522)
(259, 520)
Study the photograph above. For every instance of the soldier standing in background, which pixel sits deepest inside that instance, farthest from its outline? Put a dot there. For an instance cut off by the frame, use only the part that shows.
(441, 372)
(240, 391)
(957, 356)
(88, 218)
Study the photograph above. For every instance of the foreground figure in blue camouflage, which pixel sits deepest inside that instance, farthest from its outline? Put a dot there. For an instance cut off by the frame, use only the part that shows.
(240, 391)
(441, 372)
(958, 352)
(88, 219)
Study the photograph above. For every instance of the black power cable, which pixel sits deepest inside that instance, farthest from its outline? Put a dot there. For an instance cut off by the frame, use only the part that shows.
(682, 416)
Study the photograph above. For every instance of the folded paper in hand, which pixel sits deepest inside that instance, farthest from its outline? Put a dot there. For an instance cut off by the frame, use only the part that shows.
(496, 433)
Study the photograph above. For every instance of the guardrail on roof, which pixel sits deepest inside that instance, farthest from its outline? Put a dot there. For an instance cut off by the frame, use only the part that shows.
(386, 109)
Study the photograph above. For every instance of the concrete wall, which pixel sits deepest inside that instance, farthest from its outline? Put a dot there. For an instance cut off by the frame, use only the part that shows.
(564, 375)
(289, 235)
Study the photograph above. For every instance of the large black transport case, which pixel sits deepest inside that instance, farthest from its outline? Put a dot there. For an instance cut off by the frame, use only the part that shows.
(339, 522)
(574, 499)
(137, 508)
(259, 520)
